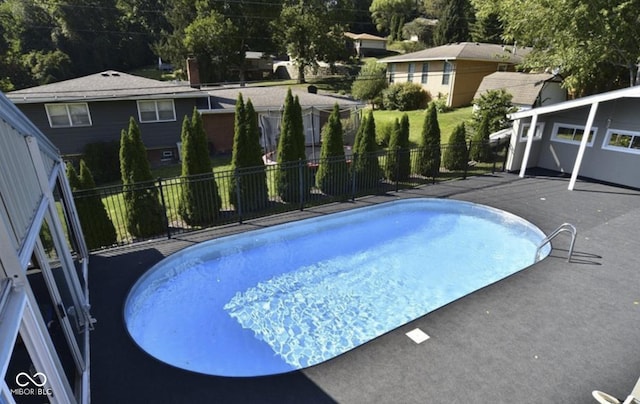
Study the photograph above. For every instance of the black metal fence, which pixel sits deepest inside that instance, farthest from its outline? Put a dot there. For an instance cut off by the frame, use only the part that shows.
(260, 191)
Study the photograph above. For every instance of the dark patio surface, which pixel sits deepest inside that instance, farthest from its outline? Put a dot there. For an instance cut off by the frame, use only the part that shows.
(551, 333)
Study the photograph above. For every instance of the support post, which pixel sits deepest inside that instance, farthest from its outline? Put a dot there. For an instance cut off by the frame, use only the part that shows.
(583, 145)
(527, 150)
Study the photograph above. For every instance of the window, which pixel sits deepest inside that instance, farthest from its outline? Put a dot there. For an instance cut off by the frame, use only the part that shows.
(425, 73)
(156, 111)
(411, 72)
(622, 140)
(446, 72)
(67, 115)
(524, 131)
(567, 133)
(392, 73)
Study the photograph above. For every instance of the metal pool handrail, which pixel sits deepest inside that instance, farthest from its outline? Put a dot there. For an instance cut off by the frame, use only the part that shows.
(564, 227)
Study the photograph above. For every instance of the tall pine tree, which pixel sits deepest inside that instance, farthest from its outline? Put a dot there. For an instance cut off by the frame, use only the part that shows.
(200, 201)
(249, 181)
(398, 163)
(144, 214)
(429, 151)
(366, 168)
(453, 24)
(332, 177)
(456, 154)
(292, 174)
(97, 228)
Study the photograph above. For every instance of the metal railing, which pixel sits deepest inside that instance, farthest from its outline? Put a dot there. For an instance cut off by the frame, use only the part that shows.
(564, 227)
(265, 190)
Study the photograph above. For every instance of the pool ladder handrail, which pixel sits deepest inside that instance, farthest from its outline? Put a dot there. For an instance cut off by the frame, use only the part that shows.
(564, 227)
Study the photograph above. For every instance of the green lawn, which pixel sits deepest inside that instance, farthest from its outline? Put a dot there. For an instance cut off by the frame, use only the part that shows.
(448, 121)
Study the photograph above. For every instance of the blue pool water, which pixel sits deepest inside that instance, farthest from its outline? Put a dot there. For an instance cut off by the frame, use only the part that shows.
(295, 295)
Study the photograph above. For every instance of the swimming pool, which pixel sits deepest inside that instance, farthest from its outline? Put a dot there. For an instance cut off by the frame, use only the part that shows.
(295, 295)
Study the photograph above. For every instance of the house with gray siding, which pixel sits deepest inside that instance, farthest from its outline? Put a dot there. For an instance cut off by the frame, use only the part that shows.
(97, 107)
(595, 137)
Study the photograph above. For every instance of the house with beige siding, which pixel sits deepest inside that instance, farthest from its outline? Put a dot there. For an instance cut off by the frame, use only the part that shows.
(454, 71)
(366, 44)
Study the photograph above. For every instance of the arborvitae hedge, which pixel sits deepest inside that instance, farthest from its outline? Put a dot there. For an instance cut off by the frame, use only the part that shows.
(366, 168)
(102, 160)
(292, 173)
(398, 163)
(429, 152)
(332, 177)
(480, 149)
(144, 214)
(97, 228)
(249, 180)
(456, 154)
(200, 202)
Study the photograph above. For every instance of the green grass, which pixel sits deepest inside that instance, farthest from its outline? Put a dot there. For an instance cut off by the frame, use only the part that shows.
(448, 121)
(219, 163)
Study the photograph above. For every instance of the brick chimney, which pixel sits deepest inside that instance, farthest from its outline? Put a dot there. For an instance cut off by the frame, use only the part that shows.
(193, 74)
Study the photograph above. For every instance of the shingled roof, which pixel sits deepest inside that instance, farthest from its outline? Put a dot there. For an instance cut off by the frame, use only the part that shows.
(272, 98)
(464, 51)
(524, 87)
(107, 85)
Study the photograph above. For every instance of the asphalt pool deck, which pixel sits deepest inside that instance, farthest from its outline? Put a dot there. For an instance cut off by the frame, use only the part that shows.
(550, 333)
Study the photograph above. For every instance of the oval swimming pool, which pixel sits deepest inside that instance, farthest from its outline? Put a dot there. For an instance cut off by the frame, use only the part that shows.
(294, 295)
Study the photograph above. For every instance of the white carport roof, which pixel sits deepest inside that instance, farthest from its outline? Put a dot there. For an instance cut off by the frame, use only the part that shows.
(592, 100)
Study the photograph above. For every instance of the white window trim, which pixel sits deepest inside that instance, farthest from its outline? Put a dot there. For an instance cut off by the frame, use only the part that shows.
(607, 138)
(173, 106)
(411, 71)
(424, 76)
(557, 125)
(524, 129)
(71, 124)
(446, 74)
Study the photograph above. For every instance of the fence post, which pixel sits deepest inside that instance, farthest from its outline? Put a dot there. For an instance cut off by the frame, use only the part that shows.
(353, 176)
(301, 182)
(494, 154)
(238, 199)
(397, 167)
(466, 166)
(164, 207)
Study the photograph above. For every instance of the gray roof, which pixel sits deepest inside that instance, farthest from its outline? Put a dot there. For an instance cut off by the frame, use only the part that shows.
(107, 85)
(464, 51)
(272, 98)
(524, 87)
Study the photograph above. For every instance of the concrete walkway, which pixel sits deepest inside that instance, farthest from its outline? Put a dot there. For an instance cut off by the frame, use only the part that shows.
(551, 333)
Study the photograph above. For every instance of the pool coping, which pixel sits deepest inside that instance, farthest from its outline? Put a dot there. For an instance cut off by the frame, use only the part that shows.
(552, 333)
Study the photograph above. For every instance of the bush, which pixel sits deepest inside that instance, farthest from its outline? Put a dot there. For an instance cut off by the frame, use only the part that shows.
(199, 202)
(383, 134)
(143, 212)
(370, 83)
(440, 103)
(405, 97)
(250, 185)
(480, 149)
(103, 161)
(292, 174)
(455, 154)
(429, 157)
(398, 162)
(366, 168)
(332, 177)
(97, 228)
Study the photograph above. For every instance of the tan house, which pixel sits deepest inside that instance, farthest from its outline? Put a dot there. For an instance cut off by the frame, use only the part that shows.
(454, 71)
